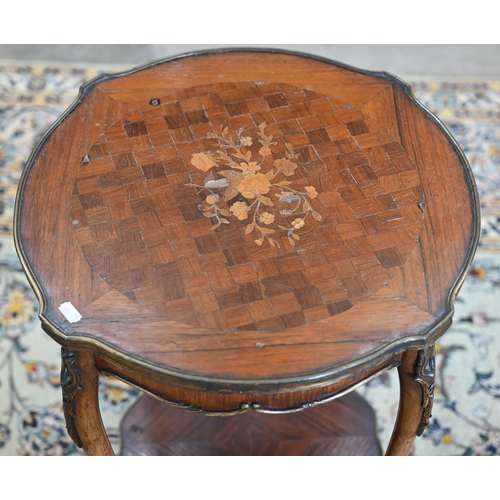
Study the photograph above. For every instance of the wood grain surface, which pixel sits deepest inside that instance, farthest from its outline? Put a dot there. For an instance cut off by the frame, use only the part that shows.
(345, 427)
(247, 216)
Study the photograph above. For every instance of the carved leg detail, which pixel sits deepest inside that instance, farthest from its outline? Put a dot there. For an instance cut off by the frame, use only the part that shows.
(426, 369)
(416, 379)
(70, 384)
(80, 386)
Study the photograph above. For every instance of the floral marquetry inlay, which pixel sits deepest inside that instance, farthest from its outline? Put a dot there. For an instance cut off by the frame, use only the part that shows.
(260, 180)
(246, 205)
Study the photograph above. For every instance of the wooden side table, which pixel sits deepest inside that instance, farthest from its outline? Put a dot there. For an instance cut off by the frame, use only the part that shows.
(246, 230)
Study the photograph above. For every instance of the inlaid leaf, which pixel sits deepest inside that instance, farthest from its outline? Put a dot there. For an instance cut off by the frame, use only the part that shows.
(306, 206)
(290, 240)
(265, 200)
(270, 175)
(264, 230)
(316, 215)
(288, 197)
(230, 192)
(208, 214)
(249, 228)
(225, 212)
(231, 175)
(223, 156)
(224, 221)
(217, 183)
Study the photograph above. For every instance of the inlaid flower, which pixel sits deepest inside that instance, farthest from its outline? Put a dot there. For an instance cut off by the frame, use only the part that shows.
(203, 162)
(253, 185)
(311, 191)
(251, 176)
(267, 218)
(240, 210)
(286, 166)
(249, 168)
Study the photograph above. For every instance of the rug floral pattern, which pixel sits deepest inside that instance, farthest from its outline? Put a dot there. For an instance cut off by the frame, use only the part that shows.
(466, 415)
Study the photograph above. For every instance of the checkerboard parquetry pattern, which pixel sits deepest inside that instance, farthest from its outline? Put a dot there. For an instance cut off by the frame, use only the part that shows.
(141, 229)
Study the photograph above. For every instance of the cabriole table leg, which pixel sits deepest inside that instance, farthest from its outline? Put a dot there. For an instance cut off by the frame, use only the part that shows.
(416, 379)
(80, 386)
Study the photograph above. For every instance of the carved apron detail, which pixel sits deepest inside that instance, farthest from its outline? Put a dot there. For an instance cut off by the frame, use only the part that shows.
(70, 384)
(425, 377)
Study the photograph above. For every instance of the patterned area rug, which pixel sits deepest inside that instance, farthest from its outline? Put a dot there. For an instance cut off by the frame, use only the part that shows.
(466, 412)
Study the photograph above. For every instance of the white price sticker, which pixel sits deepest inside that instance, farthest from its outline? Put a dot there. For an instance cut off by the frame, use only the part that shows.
(70, 313)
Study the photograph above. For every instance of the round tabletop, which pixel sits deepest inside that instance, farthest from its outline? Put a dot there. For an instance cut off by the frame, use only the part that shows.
(246, 218)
